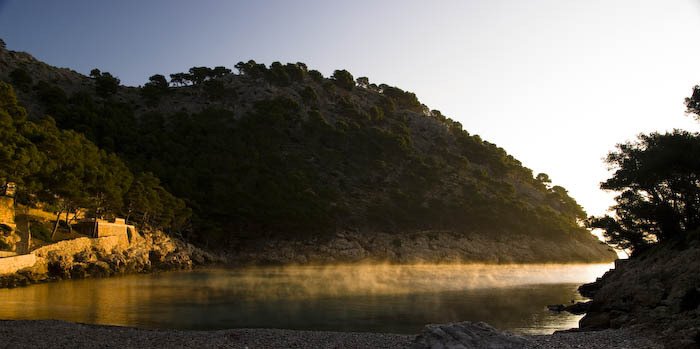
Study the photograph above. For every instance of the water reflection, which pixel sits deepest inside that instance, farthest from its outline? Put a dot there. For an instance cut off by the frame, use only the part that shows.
(384, 298)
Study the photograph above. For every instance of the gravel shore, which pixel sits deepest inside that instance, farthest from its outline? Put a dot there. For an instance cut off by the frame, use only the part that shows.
(60, 334)
(620, 339)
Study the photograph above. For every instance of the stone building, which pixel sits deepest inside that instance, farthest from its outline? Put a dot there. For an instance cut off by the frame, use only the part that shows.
(98, 228)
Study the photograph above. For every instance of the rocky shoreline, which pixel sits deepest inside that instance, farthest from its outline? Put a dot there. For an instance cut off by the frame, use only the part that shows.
(656, 291)
(155, 251)
(85, 258)
(648, 302)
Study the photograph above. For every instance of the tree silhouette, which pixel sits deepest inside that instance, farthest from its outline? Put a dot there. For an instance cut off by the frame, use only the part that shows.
(659, 180)
(105, 84)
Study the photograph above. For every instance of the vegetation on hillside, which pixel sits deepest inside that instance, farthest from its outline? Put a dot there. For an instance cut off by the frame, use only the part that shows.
(63, 169)
(283, 150)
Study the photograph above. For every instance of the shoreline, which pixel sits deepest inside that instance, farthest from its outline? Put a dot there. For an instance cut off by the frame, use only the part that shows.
(62, 334)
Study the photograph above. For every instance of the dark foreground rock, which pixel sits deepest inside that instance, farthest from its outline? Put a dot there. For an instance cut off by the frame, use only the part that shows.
(657, 292)
(467, 335)
(578, 308)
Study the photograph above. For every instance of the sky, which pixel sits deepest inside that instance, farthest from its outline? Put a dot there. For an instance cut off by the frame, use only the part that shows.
(556, 83)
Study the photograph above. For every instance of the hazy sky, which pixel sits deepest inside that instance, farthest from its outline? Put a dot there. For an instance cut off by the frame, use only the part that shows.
(556, 83)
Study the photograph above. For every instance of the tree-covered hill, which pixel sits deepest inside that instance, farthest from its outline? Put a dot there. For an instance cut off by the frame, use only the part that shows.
(285, 151)
(63, 169)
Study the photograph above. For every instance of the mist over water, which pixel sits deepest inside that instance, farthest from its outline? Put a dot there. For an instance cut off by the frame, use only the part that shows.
(376, 298)
(385, 279)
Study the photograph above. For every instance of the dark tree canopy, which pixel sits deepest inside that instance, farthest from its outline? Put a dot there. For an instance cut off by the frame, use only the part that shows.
(65, 170)
(180, 79)
(344, 79)
(658, 178)
(158, 81)
(251, 68)
(363, 82)
(21, 78)
(200, 74)
(692, 103)
(544, 178)
(105, 84)
(156, 87)
(220, 71)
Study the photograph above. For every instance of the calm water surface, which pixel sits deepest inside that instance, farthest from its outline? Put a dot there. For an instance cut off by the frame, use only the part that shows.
(396, 299)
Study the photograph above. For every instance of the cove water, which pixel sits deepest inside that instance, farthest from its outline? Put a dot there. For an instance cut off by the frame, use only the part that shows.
(363, 298)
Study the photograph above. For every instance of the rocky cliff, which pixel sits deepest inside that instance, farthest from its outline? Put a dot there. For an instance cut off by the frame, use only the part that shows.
(657, 292)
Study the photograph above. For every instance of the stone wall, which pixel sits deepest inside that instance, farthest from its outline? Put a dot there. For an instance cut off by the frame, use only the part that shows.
(117, 229)
(71, 247)
(124, 232)
(9, 265)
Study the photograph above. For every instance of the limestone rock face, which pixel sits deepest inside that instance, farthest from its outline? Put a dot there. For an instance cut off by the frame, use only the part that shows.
(417, 247)
(467, 335)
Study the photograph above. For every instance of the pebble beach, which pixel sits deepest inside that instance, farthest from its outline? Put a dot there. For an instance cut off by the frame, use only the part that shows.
(60, 334)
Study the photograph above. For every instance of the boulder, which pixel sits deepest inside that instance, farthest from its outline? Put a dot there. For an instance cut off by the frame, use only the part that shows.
(578, 308)
(556, 307)
(466, 335)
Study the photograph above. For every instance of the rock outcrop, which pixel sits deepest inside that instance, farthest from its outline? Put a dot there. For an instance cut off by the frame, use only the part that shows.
(420, 247)
(657, 291)
(467, 335)
(84, 258)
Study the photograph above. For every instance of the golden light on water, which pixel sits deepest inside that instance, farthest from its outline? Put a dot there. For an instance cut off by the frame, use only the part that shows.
(317, 281)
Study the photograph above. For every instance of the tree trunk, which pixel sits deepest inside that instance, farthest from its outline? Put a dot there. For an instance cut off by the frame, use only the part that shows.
(70, 228)
(75, 215)
(29, 238)
(55, 225)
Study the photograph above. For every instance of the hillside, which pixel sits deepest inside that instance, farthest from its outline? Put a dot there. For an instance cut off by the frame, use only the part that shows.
(285, 153)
